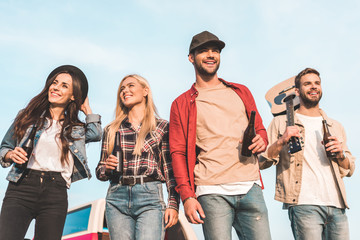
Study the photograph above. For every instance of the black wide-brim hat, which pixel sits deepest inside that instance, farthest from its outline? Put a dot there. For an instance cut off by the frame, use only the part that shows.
(74, 72)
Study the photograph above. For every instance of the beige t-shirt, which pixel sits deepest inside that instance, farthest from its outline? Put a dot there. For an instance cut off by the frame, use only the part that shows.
(221, 121)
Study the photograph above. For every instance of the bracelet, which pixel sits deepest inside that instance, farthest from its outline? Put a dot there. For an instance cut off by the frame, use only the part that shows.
(343, 157)
(187, 199)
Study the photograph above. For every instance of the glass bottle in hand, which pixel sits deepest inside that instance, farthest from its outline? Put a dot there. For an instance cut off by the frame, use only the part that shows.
(249, 134)
(326, 139)
(28, 147)
(118, 153)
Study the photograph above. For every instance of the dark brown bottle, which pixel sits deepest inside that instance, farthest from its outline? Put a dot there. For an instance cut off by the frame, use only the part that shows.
(118, 153)
(249, 134)
(326, 139)
(28, 147)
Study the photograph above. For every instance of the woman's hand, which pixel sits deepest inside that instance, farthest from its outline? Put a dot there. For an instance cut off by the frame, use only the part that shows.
(18, 155)
(111, 162)
(85, 107)
(171, 217)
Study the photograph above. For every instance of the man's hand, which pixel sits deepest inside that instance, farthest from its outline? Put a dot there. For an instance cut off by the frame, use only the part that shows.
(291, 131)
(171, 217)
(192, 207)
(334, 145)
(258, 145)
(275, 148)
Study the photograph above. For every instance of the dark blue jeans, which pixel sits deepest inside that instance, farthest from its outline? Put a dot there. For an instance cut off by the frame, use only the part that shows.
(38, 195)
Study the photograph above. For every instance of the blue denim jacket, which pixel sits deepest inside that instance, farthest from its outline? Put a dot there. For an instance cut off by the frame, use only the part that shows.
(90, 133)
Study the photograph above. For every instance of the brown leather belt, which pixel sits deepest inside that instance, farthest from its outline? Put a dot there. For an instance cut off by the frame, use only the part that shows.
(132, 180)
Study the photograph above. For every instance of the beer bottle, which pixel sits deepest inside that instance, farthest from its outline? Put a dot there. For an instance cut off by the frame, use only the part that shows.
(326, 139)
(249, 134)
(28, 147)
(118, 153)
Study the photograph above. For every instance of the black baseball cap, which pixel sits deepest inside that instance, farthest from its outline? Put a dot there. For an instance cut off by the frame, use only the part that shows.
(203, 38)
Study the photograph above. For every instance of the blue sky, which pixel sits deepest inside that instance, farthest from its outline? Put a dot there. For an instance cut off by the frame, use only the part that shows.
(266, 42)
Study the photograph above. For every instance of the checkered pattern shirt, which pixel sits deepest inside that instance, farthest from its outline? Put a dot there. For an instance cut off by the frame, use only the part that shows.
(154, 161)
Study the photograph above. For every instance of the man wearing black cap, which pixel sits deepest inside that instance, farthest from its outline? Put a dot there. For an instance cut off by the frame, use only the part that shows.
(206, 127)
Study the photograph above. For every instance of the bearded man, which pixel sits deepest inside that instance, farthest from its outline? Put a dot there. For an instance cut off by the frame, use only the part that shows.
(219, 188)
(308, 182)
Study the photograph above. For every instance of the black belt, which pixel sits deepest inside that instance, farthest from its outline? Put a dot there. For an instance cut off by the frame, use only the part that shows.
(33, 172)
(132, 180)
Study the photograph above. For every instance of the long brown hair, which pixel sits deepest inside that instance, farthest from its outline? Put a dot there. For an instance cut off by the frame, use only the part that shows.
(148, 124)
(38, 108)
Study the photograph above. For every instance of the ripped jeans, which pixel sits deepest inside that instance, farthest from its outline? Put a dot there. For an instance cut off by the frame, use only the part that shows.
(247, 213)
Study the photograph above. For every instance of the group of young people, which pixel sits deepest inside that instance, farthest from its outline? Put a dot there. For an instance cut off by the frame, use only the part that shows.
(197, 154)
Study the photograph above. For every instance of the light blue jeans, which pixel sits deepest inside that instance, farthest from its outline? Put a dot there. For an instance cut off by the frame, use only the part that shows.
(247, 213)
(135, 212)
(318, 222)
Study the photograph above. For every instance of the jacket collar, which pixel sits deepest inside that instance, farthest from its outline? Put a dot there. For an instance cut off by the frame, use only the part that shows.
(329, 121)
(193, 91)
(228, 84)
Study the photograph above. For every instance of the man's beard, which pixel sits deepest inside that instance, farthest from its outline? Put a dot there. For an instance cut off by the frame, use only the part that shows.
(205, 72)
(309, 103)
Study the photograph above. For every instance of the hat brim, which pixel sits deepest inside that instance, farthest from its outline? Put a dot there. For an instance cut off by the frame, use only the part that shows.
(218, 43)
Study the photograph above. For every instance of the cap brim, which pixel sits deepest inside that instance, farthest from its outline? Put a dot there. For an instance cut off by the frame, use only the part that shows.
(219, 43)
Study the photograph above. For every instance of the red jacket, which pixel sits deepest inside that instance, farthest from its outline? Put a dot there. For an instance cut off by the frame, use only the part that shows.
(182, 134)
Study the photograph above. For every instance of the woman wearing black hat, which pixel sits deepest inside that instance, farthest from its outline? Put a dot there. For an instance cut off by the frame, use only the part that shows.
(38, 179)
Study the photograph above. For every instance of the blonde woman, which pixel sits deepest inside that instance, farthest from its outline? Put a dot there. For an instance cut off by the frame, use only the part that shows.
(135, 207)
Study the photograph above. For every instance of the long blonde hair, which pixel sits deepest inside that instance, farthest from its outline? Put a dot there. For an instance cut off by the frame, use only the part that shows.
(148, 124)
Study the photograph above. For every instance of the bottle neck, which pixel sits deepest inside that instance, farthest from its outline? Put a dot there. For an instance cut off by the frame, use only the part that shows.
(252, 118)
(116, 142)
(32, 133)
(326, 128)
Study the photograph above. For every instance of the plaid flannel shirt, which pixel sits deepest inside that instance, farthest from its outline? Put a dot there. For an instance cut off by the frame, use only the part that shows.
(154, 161)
